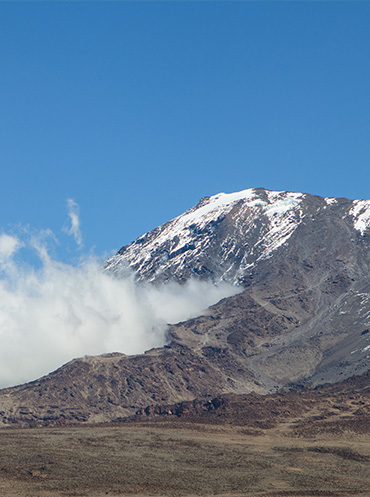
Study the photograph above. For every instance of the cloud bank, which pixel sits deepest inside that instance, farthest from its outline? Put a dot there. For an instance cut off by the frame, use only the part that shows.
(58, 312)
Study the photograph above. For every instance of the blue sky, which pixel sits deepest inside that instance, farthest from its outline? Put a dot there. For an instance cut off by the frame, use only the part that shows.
(135, 110)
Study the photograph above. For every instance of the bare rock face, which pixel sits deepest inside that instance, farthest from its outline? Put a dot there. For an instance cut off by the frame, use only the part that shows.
(303, 315)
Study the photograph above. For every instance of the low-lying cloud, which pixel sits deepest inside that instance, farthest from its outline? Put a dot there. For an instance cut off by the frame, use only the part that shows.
(58, 311)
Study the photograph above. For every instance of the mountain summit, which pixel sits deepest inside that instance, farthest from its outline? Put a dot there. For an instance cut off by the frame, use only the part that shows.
(226, 236)
(221, 238)
(302, 263)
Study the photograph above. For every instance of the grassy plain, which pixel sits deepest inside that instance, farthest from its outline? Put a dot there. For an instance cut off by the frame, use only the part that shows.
(183, 458)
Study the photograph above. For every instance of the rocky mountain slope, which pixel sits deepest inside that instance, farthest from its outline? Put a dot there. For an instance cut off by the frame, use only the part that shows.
(336, 408)
(303, 315)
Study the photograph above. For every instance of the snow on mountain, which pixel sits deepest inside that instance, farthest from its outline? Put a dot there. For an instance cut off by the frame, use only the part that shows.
(330, 200)
(222, 223)
(361, 214)
(224, 237)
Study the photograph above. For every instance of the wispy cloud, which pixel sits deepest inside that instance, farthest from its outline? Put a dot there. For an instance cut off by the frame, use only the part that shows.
(74, 216)
(8, 247)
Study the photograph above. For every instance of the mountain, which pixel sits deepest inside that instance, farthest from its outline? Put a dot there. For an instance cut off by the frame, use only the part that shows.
(302, 315)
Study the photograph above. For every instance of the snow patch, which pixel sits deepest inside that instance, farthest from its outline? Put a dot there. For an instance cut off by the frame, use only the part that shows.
(361, 214)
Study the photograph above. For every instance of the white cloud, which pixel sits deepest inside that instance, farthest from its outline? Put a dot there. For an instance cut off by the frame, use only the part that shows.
(58, 312)
(74, 216)
(8, 247)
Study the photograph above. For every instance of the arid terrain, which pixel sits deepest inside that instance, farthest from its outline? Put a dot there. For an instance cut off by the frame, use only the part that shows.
(297, 444)
(183, 460)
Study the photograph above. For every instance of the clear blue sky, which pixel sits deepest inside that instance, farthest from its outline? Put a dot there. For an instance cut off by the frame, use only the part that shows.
(137, 109)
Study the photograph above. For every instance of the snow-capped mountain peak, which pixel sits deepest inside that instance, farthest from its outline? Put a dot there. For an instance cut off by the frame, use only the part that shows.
(226, 236)
(221, 237)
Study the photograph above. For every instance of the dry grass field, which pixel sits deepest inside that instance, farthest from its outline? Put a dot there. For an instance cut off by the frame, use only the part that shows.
(183, 458)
